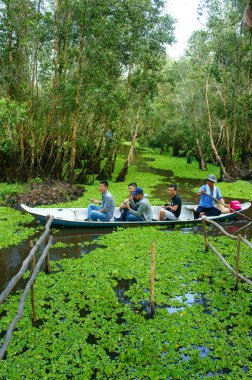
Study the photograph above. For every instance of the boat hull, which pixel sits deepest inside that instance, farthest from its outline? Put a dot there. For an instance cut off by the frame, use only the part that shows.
(75, 217)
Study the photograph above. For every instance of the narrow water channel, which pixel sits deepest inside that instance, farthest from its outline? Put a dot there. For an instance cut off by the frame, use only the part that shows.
(11, 258)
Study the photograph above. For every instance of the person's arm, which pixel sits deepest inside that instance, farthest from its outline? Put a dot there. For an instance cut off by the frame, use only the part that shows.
(175, 205)
(107, 204)
(124, 204)
(173, 208)
(201, 191)
(139, 211)
(132, 204)
(93, 200)
(219, 197)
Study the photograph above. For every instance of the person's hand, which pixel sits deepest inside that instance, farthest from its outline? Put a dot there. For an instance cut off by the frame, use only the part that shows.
(93, 200)
(201, 192)
(127, 205)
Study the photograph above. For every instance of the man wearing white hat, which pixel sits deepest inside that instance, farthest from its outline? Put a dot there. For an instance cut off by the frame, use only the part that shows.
(207, 193)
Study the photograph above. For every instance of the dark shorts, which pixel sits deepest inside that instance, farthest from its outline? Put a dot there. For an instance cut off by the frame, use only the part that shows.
(209, 211)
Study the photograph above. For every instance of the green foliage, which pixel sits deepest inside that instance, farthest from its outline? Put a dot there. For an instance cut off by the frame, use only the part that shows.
(11, 114)
(12, 227)
(12, 188)
(62, 245)
(178, 165)
(217, 59)
(94, 313)
(238, 189)
(82, 67)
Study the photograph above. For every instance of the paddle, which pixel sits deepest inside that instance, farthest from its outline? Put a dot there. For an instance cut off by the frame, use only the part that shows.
(223, 204)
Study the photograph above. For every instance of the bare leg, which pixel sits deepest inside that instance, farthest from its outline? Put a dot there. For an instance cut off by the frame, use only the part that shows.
(161, 214)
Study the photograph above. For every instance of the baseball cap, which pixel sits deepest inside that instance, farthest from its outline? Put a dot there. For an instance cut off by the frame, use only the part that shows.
(138, 190)
(212, 178)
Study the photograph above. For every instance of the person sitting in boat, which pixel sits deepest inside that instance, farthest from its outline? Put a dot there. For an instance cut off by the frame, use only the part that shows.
(123, 209)
(172, 210)
(143, 209)
(207, 194)
(106, 209)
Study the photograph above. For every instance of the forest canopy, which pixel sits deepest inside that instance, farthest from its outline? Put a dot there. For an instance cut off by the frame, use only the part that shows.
(73, 75)
(78, 78)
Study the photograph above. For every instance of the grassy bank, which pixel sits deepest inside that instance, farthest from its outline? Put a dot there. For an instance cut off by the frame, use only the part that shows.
(94, 322)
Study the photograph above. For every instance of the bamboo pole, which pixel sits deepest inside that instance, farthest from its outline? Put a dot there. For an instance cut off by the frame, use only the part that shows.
(47, 259)
(233, 237)
(238, 249)
(25, 263)
(205, 235)
(22, 301)
(205, 218)
(152, 274)
(244, 279)
(34, 314)
(48, 265)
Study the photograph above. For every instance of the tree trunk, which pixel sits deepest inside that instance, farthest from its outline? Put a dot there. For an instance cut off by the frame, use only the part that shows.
(226, 176)
(124, 171)
(226, 129)
(175, 148)
(74, 123)
(202, 161)
(135, 133)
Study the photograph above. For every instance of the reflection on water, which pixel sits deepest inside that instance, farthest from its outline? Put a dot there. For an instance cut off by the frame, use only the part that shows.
(11, 258)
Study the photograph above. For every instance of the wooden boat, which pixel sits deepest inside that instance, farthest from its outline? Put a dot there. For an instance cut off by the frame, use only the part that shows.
(75, 217)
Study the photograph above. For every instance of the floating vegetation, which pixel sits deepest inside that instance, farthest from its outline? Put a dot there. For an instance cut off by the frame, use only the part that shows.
(178, 165)
(12, 227)
(94, 314)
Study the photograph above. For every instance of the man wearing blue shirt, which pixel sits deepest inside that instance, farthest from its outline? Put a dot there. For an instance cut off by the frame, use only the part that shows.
(106, 209)
(206, 204)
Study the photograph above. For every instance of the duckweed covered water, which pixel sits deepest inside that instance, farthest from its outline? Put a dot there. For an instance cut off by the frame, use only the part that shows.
(94, 319)
(13, 229)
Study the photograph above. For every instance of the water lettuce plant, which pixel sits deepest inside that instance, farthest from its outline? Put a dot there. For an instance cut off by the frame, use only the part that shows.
(94, 317)
(12, 227)
(238, 189)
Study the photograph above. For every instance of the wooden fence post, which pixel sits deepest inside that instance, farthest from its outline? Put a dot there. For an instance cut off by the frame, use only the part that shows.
(34, 315)
(205, 235)
(152, 274)
(48, 265)
(238, 249)
(47, 259)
